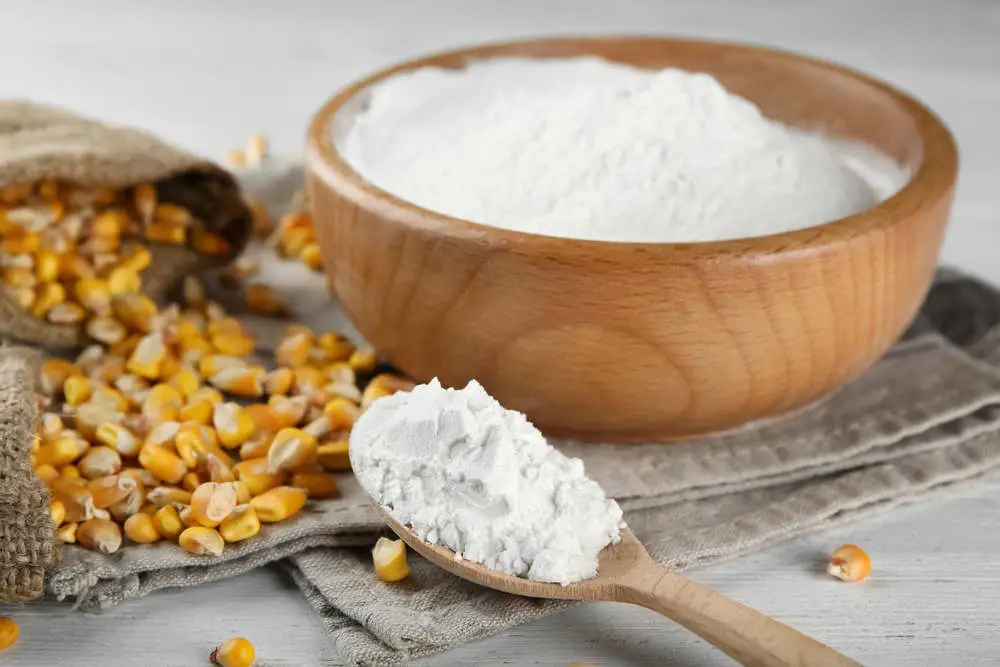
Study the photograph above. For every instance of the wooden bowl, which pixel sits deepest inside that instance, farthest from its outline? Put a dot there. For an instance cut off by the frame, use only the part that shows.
(644, 341)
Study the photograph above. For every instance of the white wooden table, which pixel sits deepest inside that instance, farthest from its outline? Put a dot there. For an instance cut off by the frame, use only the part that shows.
(206, 75)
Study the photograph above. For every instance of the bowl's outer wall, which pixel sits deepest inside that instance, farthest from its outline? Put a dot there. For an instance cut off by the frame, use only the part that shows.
(628, 342)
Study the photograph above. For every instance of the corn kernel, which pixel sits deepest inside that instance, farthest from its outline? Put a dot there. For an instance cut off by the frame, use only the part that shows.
(19, 244)
(233, 425)
(242, 492)
(110, 398)
(293, 350)
(232, 343)
(166, 466)
(217, 471)
(279, 503)
(111, 222)
(384, 385)
(241, 524)
(57, 512)
(18, 276)
(212, 502)
(47, 473)
(124, 280)
(90, 416)
(141, 529)
(246, 382)
(143, 478)
(200, 412)
(334, 456)
(265, 300)
(389, 557)
(278, 381)
(9, 632)
(126, 346)
(292, 448)
(172, 213)
(335, 347)
(66, 533)
(63, 450)
(168, 523)
(849, 563)
(24, 296)
(162, 403)
(54, 374)
(316, 484)
(110, 489)
(47, 297)
(237, 652)
(70, 471)
(136, 311)
(165, 232)
(162, 496)
(207, 243)
(105, 330)
(47, 265)
(127, 506)
(191, 481)
(102, 535)
(235, 157)
(312, 257)
(257, 446)
(163, 434)
(202, 541)
(288, 411)
(100, 462)
(185, 381)
(136, 258)
(148, 356)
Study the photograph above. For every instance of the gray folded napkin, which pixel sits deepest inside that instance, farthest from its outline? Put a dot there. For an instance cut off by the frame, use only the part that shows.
(923, 419)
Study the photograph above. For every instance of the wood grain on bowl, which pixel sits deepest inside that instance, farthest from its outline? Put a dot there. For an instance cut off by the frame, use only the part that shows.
(639, 341)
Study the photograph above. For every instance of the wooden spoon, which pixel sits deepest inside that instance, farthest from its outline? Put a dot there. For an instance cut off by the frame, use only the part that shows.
(626, 573)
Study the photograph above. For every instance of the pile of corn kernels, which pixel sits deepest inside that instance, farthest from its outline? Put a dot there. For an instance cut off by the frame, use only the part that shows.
(167, 427)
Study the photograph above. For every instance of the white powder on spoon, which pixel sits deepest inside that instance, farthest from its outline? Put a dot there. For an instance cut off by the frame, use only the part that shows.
(585, 148)
(465, 473)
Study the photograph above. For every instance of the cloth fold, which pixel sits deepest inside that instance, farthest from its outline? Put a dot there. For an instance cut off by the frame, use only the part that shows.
(923, 420)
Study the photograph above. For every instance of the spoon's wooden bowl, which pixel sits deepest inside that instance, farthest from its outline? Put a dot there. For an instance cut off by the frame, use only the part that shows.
(632, 341)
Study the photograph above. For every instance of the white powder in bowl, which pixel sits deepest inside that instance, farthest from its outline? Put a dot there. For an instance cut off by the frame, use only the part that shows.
(466, 473)
(589, 149)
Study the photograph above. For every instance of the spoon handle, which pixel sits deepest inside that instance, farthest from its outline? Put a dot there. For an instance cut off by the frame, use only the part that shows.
(745, 635)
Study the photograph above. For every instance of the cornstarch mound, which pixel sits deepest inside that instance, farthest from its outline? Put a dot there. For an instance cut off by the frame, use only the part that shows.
(588, 149)
(465, 473)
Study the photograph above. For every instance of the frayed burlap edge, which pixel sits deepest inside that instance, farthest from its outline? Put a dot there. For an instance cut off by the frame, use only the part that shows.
(26, 539)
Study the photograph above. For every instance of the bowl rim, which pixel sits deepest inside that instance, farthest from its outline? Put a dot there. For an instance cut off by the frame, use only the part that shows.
(932, 181)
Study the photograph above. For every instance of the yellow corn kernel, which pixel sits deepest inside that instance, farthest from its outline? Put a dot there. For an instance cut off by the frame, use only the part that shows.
(144, 200)
(207, 243)
(54, 373)
(105, 330)
(292, 448)
(342, 412)
(389, 557)
(849, 563)
(265, 300)
(120, 438)
(17, 192)
(163, 434)
(168, 523)
(124, 280)
(232, 343)
(148, 508)
(129, 505)
(191, 481)
(288, 411)
(52, 426)
(217, 471)
(236, 652)
(90, 416)
(316, 484)
(136, 258)
(264, 419)
(242, 493)
(108, 397)
(66, 533)
(258, 483)
(99, 462)
(141, 529)
(257, 446)
(278, 381)
(213, 364)
(19, 244)
(143, 478)
(207, 395)
(110, 489)
(134, 388)
(245, 382)
(200, 412)
(70, 471)
(148, 356)
(232, 424)
(63, 450)
(102, 535)
(312, 257)
(66, 313)
(110, 222)
(166, 466)
(19, 276)
(335, 347)
(212, 502)
(172, 214)
(293, 350)
(136, 311)
(363, 360)
(383, 385)
(162, 403)
(340, 390)
(235, 157)
(24, 296)
(47, 265)
(334, 456)
(165, 232)
(47, 296)
(126, 346)
(170, 366)
(185, 381)
(9, 632)
(202, 541)
(241, 524)
(47, 473)
(162, 496)
(107, 371)
(294, 241)
(94, 294)
(307, 379)
(279, 503)
(57, 512)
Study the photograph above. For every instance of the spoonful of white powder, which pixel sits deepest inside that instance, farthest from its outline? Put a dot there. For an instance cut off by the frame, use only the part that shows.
(465, 473)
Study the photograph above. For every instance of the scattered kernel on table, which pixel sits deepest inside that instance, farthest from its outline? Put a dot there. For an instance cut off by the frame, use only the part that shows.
(849, 563)
(8, 633)
(236, 652)
(389, 557)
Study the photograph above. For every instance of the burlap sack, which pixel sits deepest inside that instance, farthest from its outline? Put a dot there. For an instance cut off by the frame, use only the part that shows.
(26, 540)
(38, 142)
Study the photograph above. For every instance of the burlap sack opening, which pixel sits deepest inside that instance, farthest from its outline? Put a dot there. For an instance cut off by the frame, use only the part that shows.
(39, 142)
